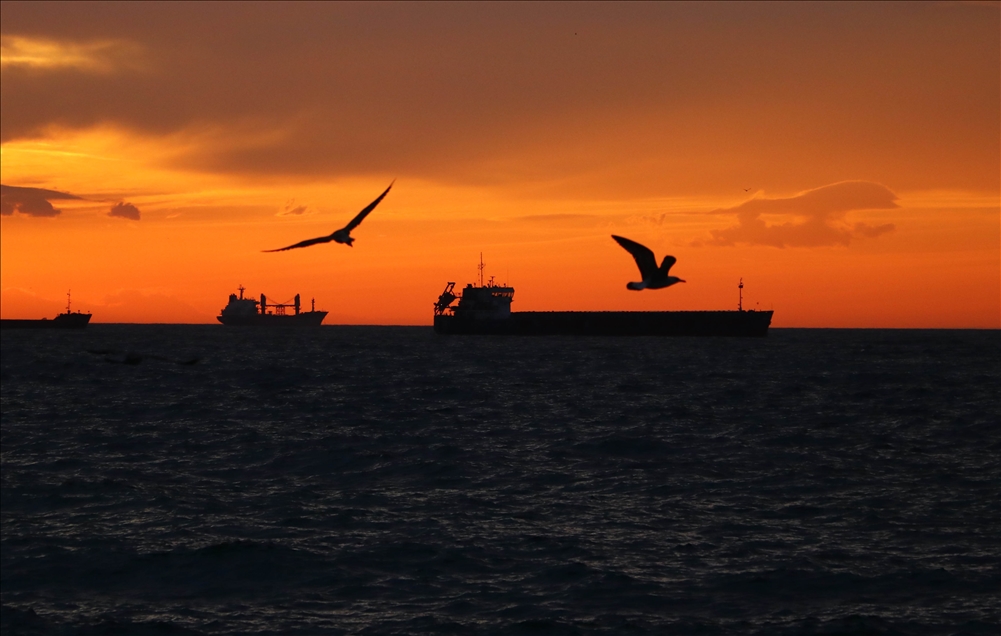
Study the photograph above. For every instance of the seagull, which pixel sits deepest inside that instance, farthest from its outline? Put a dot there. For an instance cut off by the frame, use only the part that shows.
(342, 235)
(653, 277)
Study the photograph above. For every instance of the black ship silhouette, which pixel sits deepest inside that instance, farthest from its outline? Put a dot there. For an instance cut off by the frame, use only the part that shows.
(247, 312)
(485, 309)
(66, 320)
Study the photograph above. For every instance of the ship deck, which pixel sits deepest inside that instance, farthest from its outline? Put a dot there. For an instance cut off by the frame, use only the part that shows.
(611, 323)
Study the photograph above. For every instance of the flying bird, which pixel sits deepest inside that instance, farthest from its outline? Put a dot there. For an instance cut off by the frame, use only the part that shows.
(342, 235)
(653, 277)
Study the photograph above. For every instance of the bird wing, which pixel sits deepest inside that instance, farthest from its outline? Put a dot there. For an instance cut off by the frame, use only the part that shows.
(667, 264)
(306, 243)
(642, 254)
(371, 206)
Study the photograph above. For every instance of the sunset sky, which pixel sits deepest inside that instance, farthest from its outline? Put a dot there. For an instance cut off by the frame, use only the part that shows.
(844, 159)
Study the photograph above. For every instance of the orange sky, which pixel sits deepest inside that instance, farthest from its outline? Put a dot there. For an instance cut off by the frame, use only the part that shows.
(844, 159)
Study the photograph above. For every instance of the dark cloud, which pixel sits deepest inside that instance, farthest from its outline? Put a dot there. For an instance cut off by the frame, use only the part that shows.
(30, 201)
(293, 209)
(609, 97)
(125, 210)
(815, 217)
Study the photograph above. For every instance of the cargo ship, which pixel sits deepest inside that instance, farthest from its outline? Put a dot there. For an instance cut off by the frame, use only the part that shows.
(486, 310)
(247, 312)
(67, 320)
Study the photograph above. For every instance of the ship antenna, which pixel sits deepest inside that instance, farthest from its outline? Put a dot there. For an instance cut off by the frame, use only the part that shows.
(68, 300)
(740, 297)
(241, 288)
(481, 269)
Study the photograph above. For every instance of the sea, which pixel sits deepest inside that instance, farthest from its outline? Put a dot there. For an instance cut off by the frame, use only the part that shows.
(197, 479)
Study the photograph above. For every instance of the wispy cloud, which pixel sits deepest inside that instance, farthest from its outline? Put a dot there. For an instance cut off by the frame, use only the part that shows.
(814, 218)
(30, 201)
(101, 56)
(125, 210)
(555, 218)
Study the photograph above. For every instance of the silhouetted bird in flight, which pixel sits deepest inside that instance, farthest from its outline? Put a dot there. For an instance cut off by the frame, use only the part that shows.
(653, 277)
(342, 235)
(747, 189)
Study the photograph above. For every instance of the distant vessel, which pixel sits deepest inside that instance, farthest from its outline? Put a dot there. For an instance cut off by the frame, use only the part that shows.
(486, 310)
(247, 312)
(68, 320)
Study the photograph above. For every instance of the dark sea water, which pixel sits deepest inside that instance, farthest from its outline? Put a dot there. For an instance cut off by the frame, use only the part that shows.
(384, 480)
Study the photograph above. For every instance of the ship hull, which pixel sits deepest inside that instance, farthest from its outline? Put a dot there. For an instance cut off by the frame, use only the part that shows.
(611, 323)
(305, 319)
(62, 321)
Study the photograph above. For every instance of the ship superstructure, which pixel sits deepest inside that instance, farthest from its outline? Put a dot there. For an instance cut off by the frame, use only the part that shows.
(486, 302)
(244, 312)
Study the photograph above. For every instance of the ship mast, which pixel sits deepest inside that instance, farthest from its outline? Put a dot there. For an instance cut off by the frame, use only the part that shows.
(740, 297)
(481, 269)
(68, 300)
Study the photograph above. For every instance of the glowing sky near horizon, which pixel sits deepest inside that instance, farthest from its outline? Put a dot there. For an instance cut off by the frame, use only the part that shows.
(844, 159)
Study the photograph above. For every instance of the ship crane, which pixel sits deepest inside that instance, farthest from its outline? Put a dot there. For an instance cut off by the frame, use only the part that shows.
(445, 299)
(279, 308)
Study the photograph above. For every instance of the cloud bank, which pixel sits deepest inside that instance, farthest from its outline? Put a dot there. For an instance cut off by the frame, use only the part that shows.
(125, 210)
(30, 201)
(815, 218)
(608, 100)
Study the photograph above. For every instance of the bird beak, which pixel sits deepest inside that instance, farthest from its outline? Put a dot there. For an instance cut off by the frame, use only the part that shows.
(680, 280)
